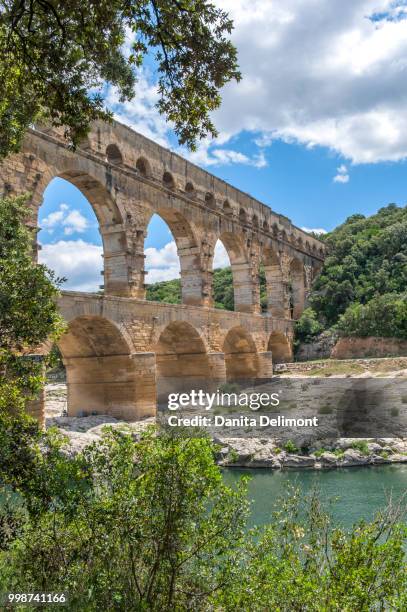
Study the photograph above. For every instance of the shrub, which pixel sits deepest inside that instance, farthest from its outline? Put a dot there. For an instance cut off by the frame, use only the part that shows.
(361, 446)
(150, 525)
(384, 315)
(290, 447)
(307, 328)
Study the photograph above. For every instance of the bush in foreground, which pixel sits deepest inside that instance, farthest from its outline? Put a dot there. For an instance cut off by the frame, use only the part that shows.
(150, 525)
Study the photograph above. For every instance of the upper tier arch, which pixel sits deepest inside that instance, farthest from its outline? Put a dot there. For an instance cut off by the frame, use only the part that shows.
(127, 178)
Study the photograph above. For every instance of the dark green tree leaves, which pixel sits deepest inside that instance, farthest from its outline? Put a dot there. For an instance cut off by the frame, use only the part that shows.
(28, 306)
(365, 275)
(56, 56)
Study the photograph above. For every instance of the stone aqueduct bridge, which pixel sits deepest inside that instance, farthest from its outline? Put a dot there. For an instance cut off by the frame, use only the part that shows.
(121, 350)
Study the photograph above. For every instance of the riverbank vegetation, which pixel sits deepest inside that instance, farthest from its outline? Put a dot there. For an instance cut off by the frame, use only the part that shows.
(149, 524)
(28, 311)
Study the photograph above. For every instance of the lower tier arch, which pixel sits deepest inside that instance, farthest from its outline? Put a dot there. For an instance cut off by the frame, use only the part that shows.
(103, 375)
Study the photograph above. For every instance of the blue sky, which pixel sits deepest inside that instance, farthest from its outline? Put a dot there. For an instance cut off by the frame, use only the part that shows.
(317, 128)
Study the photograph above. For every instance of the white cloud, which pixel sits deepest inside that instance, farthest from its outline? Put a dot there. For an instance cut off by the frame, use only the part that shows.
(317, 72)
(75, 222)
(321, 73)
(157, 275)
(207, 155)
(162, 264)
(141, 115)
(342, 175)
(341, 178)
(54, 218)
(317, 230)
(76, 260)
(161, 258)
(71, 220)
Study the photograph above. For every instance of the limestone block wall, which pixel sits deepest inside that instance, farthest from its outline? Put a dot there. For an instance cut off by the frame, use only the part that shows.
(122, 351)
(121, 354)
(127, 178)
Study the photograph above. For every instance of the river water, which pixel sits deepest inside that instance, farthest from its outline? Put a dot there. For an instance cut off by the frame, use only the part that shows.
(358, 491)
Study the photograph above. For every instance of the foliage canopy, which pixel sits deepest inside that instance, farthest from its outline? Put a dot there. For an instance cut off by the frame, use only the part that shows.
(28, 309)
(150, 525)
(361, 290)
(57, 56)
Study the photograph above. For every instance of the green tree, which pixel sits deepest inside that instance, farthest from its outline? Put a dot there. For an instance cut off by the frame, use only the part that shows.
(384, 315)
(367, 259)
(56, 57)
(28, 309)
(307, 327)
(165, 291)
(150, 525)
(28, 317)
(154, 527)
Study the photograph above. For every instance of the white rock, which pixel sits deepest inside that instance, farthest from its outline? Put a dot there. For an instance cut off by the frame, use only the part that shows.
(78, 441)
(396, 458)
(328, 458)
(298, 461)
(354, 457)
(374, 447)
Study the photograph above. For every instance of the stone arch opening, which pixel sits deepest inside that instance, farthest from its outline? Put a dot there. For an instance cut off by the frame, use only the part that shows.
(241, 357)
(69, 240)
(103, 375)
(162, 262)
(255, 221)
(227, 208)
(143, 167)
(70, 193)
(297, 286)
(245, 297)
(182, 360)
(178, 258)
(210, 200)
(222, 279)
(113, 155)
(280, 348)
(168, 180)
(189, 188)
(242, 215)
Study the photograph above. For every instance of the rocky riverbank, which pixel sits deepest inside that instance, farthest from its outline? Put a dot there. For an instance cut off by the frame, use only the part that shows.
(344, 452)
(252, 452)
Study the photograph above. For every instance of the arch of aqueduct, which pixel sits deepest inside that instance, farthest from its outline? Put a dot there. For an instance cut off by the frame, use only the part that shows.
(121, 350)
